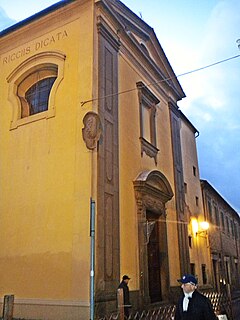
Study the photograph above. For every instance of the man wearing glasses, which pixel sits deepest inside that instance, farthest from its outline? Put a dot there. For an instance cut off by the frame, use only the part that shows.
(193, 305)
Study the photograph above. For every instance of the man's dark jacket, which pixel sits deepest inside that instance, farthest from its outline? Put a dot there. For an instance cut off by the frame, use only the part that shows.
(199, 308)
(125, 288)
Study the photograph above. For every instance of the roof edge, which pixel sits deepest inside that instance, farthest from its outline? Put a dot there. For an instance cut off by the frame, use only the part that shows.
(207, 184)
(34, 17)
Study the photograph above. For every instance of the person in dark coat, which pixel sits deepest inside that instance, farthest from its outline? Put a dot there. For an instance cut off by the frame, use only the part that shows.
(193, 305)
(126, 301)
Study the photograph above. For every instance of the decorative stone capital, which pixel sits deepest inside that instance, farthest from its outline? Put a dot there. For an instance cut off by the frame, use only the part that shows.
(154, 204)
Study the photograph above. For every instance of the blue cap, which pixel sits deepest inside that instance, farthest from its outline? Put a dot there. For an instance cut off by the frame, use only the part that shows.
(188, 278)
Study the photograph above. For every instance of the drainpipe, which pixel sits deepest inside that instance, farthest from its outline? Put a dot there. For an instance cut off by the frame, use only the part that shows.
(92, 261)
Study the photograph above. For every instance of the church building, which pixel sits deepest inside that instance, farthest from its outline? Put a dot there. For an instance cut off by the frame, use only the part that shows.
(89, 114)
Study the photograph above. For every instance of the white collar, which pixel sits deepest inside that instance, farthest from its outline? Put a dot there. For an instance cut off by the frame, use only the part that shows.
(188, 295)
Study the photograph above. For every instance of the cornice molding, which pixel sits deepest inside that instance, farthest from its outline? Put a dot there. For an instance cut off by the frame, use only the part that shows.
(174, 108)
(133, 50)
(109, 34)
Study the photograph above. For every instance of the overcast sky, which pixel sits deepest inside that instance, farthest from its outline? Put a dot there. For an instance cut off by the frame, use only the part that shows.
(193, 34)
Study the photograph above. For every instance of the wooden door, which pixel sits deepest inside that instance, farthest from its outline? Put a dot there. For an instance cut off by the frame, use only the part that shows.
(154, 265)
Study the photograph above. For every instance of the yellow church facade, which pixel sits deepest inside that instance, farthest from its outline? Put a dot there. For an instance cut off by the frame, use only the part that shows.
(87, 113)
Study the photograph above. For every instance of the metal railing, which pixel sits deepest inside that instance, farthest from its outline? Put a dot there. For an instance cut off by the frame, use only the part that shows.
(220, 301)
(161, 313)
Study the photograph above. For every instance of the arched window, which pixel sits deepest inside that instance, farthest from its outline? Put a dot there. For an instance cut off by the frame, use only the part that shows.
(34, 90)
(33, 86)
(37, 96)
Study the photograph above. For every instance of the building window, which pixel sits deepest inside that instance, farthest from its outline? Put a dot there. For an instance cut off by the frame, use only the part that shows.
(232, 228)
(223, 221)
(194, 171)
(36, 98)
(216, 216)
(147, 111)
(228, 269)
(204, 274)
(185, 187)
(236, 268)
(228, 225)
(235, 231)
(210, 211)
(192, 268)
(221, 270)
(33, 86)
(197, 201)
(190, 241)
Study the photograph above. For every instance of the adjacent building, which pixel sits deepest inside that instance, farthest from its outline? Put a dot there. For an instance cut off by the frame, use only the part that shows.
(224, 238)
(200, 264)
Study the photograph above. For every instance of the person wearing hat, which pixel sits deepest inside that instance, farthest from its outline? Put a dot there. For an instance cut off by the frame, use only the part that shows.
(193, 305)
(126, 301)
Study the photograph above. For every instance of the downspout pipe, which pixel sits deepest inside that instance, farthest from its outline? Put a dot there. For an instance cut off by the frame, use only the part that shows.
(92, 261)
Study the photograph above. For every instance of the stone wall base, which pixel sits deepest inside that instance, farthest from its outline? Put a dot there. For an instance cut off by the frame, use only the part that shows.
(50, 309)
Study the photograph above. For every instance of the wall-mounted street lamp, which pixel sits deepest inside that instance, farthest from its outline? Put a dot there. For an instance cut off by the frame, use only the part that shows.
(199, 227)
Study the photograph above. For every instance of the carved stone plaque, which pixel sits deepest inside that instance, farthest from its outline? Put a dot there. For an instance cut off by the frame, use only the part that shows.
(92, 130)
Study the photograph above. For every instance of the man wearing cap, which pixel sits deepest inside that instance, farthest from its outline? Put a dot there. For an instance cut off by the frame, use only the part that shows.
(193, 305)
(124, 285)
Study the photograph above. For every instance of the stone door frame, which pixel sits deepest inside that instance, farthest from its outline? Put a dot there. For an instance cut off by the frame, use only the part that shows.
(152, 192)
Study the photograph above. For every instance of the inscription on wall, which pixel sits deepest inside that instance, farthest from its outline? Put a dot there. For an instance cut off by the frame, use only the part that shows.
(41, 44)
